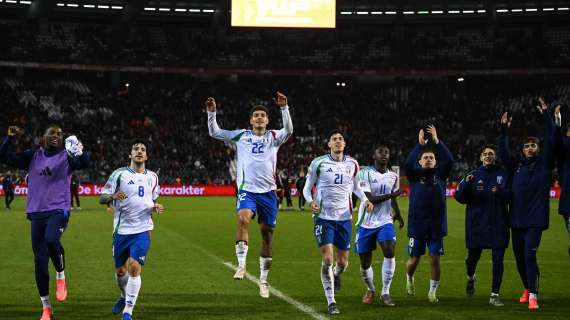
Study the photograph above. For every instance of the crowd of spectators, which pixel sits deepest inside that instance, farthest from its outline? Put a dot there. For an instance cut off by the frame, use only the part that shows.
(169, 112)
(362, 47)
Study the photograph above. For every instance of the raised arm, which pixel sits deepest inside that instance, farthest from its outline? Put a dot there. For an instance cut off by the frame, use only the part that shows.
(411, 164)
(79, 162)
(20, 160)
(503, 142)
(214, 129)
(445, 158)
(287, 130)
(549, 132)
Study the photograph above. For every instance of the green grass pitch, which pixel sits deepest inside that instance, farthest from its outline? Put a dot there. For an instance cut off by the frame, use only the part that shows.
(185, 277)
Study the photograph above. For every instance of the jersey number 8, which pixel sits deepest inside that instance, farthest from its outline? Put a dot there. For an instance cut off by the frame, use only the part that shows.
(141, 191)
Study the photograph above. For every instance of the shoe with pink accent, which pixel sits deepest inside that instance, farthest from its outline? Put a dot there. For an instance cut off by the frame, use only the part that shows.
(61, 290)
(524, 296)
(368, 297)
(47, 314)
(532, 304)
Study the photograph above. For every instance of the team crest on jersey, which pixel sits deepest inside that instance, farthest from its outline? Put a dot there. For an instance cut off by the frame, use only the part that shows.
(347, 169)
(499, 179)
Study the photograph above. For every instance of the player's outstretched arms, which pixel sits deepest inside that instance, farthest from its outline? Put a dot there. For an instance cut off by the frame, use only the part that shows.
(214, 129)
(550, 131)
(503, 141)
(284, 134)
(20, 160)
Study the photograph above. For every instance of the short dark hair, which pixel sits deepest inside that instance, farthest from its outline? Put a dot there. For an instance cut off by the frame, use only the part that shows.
(54, 125)
(335, 131)
(139, 141)
(488, 146)
(381, 146)
(428, 149)
(530, 139)
(259, 108)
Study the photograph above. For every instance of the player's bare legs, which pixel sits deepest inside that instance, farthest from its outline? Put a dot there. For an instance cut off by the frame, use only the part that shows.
(265, 258)
(242, 239)
(435, 267)
(411, 265)
(340, 267)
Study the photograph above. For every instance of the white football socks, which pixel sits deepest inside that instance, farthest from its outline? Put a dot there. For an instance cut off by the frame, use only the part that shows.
(433, 284)
(388, 267)
(241, 253)
(328, 283)
(45, 302)
(338, 270)
(132, 293)
(122, 282)
(264, 266)
(368, 278)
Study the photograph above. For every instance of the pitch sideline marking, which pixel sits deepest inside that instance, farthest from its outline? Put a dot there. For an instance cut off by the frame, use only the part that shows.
(297, 304)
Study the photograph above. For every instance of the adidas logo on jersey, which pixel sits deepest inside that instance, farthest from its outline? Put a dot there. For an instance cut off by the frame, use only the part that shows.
(142, 258)
(46, 172)
(330, 170)
(374, 181)
(131, 182)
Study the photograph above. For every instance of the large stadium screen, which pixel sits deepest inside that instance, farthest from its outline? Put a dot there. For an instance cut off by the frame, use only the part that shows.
(284, 13)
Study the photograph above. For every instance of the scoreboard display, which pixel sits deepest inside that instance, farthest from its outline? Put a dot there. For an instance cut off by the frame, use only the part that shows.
(284, 13)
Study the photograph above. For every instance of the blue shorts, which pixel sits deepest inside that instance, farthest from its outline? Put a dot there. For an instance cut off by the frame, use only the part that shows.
(417, 247)
(339, 233)
(130, 245)
(366, 239)
(263, 205)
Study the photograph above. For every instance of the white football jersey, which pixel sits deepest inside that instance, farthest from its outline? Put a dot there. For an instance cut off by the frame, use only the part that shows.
(133, 215)
(335, 181)
(377, 184)
(256, 155)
